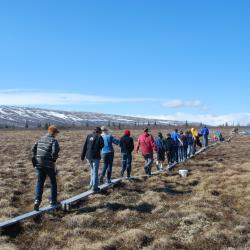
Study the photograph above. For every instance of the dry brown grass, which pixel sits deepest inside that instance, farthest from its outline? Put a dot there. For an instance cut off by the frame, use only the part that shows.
(207, 210)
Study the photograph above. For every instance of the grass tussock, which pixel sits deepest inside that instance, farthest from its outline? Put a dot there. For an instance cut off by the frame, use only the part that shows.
(207, 210)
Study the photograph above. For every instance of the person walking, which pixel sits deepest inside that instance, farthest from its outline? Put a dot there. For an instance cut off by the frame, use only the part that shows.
(190, 142)
(127, 146)
(160, 144)
(44, 155)
(176, 151)
(147, 146)
(196, 138)
(183, 146)
(169, 148)
(92, 152)
(205, 133)
(107, 154)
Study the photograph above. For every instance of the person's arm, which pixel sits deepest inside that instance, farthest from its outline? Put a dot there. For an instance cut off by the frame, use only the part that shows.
(101, 142)
(55, 150)
(34, 151)
(132, 145)
(84, 149)
(115, 140)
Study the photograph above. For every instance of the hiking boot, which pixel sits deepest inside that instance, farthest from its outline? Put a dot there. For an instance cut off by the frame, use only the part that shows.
(36, 205)
(101, 180)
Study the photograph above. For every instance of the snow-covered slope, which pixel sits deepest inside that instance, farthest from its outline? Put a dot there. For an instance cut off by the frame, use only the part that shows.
(34, 117)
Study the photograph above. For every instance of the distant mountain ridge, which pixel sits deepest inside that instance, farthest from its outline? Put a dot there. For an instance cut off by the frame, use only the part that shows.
(12, 116)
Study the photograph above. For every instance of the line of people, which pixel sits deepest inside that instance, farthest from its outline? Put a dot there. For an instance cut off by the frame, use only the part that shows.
(98, 145)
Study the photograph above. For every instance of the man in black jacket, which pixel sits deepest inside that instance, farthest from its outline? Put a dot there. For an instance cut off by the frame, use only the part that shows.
(44, 155)
(127, 147)
(92, 152)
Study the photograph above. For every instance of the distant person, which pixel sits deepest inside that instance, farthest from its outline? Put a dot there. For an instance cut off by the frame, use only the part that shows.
(160, 144)
(169, 148)
(44, 155)
(176, 152)
(127, 147)
(183, 146)
(107, 154)
(205, 133)
(147, 146)
(92, 152)
(190, 143)
(196, 138)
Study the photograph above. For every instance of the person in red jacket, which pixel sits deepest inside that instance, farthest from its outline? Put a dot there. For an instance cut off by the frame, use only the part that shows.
(146, 145)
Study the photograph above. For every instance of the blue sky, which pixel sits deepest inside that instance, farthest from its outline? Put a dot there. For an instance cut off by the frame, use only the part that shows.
(180, 59)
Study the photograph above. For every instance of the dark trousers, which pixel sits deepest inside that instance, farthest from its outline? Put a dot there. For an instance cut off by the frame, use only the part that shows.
(196, 143)
(42, 173)
(108, 159)
(169, 156)
(126, 163)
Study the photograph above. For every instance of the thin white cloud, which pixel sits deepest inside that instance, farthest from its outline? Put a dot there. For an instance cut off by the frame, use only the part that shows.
(20, 97)
(231, 119)
(177, 103)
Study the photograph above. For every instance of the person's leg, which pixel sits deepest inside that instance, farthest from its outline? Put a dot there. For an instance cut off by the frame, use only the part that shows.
(91, 174)
(95, 166)
(150, 163)
(110, 165)
(52, 175)
(124, 163)
(105, 166)
(146, 163)
(129, 164)
(205, 140)
(41, 176)
(194, 147)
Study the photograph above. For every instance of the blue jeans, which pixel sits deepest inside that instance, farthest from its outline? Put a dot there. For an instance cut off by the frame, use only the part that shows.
(183, 153)
(94, 166)
(108, 159)
(189, 150)
(205, 140)
(149, 159)
(126, 163)
(42, 173)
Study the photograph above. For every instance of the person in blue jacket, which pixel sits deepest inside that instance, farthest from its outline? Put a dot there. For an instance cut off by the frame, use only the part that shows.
(160, 143)
(205, 133)
(176, 150)
(107, 154)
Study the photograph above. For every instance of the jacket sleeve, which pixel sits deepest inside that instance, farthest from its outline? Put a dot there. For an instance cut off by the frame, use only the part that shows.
(101, 142)
(34, 150)
(152, 141)
(55, 150)
(115, 141)
(132, 145)
(84, 149)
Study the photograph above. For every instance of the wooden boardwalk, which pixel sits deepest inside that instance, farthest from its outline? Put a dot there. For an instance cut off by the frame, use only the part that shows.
(65, 204)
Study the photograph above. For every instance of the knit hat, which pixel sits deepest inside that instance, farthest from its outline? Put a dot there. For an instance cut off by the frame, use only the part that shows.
(127, 132)
(52, 129)
(146, 129)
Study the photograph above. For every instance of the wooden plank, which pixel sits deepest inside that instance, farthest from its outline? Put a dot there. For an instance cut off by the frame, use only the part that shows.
(27, 216)
(88, 193)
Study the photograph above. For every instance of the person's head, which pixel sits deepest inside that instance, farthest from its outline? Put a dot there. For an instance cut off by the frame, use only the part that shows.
(168, 135)
(127, 132)
(98, 130)
(181, 132)
(146, 130)
(187, 132)
(104, 129)
(176, 130)
(52, 130)
(160, 135)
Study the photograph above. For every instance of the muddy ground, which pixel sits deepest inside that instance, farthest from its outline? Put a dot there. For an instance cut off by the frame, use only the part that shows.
(207, 210)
